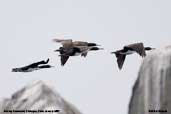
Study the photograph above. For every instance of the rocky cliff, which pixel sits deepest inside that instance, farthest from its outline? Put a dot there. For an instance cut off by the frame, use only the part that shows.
(152, 89)
(37, 98)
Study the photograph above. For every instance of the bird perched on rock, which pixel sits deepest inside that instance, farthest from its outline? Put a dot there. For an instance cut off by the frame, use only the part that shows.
(34, 66)
(130, 49)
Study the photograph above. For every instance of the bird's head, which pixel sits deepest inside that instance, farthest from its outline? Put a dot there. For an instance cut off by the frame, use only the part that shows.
(92, 44)
(96, 48)
(46, 66)
(148, 48)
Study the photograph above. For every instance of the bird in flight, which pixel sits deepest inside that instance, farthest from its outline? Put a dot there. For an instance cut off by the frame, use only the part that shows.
(34, 66)
(130, 49)
(74, 51)
(67, 43)
(74, 48)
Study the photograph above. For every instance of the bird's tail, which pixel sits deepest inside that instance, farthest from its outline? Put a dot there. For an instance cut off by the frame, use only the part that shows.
(58, 50)
(113, 52)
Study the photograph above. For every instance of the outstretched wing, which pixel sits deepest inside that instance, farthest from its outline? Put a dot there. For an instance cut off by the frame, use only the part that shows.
(120, 59)
(80, 43)
(138, 47)
(64, 59)
(61, 40)
(66, 43)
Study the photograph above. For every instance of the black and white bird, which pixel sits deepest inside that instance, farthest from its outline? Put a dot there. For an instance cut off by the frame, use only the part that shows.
(130, 49)
(34, 66)
(65, 53)
(74, 48)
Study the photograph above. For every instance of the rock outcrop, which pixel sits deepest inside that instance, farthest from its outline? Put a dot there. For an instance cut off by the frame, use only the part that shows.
(152, 89)
(37, 98)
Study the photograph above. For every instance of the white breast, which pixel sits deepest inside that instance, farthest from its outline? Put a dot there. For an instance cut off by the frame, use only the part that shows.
(77, 54)
(130, 52)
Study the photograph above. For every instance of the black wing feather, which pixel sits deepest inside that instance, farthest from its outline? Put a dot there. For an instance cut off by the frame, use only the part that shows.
(64, 59)
(120, 60)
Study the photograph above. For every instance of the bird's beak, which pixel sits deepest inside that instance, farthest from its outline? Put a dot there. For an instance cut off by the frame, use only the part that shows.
(112, 52)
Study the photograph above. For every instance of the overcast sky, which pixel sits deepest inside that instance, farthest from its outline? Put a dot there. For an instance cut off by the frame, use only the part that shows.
(93, 84)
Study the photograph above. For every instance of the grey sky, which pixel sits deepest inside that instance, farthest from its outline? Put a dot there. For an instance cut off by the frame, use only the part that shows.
(94, 85)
